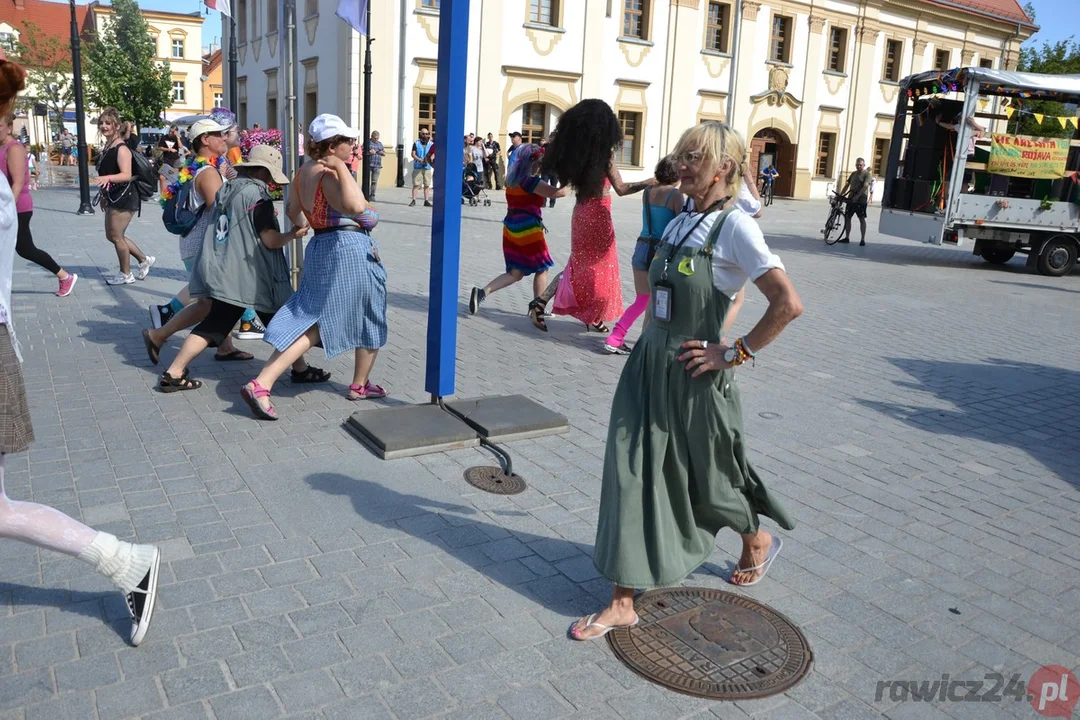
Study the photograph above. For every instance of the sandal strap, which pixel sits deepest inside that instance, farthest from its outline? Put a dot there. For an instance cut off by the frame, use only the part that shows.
(258, 390)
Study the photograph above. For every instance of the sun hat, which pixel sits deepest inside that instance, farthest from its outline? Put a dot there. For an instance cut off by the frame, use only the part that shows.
(204, 126)
(327, 126)
(223, 116)
(267, 157)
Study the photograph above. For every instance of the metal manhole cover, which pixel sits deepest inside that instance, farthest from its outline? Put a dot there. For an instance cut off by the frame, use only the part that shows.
(713, 644)
(494, 480)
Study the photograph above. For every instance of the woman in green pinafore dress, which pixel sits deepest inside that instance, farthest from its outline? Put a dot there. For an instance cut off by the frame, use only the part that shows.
(676, 471)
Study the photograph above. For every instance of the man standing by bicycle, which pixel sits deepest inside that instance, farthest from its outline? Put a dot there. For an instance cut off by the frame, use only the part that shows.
(857, 193)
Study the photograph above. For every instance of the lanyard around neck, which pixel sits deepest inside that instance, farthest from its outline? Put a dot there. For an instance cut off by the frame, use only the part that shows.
(675, 247)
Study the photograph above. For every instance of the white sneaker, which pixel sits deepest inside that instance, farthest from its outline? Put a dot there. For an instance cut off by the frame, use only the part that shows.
(144, 267)
(119, 279)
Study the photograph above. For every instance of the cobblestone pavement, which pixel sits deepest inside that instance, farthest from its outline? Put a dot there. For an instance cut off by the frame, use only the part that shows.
(920, 420)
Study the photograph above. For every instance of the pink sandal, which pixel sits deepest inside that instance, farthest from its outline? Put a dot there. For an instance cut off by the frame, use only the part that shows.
(367, 391)
(252, 397)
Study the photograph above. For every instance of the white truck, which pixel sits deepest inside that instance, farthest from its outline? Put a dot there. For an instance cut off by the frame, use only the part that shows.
(938, 184)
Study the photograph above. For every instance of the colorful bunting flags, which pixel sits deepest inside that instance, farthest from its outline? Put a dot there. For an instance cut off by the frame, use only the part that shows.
(1038, 117)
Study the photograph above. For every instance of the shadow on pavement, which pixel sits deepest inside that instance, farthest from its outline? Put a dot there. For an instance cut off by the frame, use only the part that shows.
(992, 402)
(108, 607)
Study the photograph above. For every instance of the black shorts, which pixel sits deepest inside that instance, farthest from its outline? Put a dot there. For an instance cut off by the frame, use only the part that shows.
(222, 318)
(857, 208)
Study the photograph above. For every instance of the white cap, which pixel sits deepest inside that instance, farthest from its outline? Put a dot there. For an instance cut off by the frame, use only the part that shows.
(327, 126)
(206, 125)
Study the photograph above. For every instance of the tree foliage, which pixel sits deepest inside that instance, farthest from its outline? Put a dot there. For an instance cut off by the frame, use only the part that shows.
(1049, 58)
(121, 70)
(47, 61)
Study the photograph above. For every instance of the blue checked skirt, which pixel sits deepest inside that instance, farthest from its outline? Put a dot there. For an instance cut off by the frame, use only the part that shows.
(342, 290)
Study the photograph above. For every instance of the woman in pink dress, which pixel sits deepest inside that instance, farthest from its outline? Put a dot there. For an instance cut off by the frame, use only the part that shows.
(582, 155)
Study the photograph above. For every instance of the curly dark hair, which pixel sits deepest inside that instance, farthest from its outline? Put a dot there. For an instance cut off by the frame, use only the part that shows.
(581, 150)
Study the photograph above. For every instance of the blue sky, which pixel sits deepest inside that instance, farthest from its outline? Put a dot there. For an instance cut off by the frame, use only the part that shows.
(1050, 14)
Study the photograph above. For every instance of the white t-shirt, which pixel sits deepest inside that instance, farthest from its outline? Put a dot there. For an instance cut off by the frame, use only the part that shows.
(746, 200)
(739, 253)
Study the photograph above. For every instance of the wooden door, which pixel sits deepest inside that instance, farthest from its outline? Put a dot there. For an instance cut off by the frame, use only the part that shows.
(757, 146)
(785, 165)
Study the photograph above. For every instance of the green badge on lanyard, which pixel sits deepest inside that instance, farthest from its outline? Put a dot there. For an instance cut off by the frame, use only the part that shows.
(686, 266)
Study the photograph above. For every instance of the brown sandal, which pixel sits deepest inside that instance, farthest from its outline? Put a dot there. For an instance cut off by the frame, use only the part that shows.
(169, 384)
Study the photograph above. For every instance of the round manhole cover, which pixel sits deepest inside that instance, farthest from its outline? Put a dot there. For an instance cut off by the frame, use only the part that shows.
(494, 480)
(712, 644)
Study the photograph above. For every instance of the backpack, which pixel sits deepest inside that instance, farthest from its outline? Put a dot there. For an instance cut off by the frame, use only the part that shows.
(177, 214)
(143, 176)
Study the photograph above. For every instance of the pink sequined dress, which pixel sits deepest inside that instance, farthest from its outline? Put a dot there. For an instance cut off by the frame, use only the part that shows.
(590, 289)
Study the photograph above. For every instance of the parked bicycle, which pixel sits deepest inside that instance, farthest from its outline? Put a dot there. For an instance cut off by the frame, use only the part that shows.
(834, 225)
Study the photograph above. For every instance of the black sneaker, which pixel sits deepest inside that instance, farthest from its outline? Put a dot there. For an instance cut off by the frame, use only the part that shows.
(427, 203)
(862, 243)
(251, 330)
(843, 240)
(141, 600)
(475, 299)
(412, 203)
(160, 315)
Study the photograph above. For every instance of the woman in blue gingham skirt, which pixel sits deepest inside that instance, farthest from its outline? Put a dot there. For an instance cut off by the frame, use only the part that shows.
(341, 301)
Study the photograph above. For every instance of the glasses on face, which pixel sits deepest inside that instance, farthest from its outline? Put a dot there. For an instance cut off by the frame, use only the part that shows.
(689, 158)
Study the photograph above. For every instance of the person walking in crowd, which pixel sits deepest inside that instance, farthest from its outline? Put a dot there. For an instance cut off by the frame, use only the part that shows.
(857, 192)
(14, 165)
(515, 143)
(493, 164)
(376, 151)
(341, 301)
(525, 249)
(132, 568)
(675, 469)
(120, 200)
(550, 179)
(300, 143)
(239, 265)
(422, 153)
(660, 204)
(67, 142)
(582, 155)
(206, 171)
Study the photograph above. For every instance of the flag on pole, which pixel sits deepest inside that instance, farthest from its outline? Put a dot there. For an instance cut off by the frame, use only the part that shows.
(221, 6)
(354, 12)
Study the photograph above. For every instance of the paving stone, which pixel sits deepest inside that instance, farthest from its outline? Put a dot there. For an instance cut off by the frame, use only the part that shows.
(193, 681)
(309, 690)
(129, 698)
(259, 666)
(25, 688)
(248, 704)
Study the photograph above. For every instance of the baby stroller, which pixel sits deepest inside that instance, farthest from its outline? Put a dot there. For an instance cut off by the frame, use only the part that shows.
(472, 186)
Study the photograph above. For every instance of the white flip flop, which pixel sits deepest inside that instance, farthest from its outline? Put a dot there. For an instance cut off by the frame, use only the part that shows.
(774, 550)
(591, 622)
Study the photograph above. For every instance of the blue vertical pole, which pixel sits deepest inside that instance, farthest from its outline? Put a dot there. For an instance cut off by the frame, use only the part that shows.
(446, 220)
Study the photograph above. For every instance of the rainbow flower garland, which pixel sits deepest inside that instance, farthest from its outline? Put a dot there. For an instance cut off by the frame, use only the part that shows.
(187, 172)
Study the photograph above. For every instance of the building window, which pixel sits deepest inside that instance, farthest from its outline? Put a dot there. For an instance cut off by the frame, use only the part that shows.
(433, 4)
(894, 57)
(271, 112)
(178, 92)
(716, 27)
(533, 122)
(219, 100)
(635, 22)
(942, 59)
(425, 112)
(311, 106)
(177, 48)
(241, 21)
(780, 42)
(8, 42)
(826, 146)
(881, 156)
(629, 153)
(544, 12)
(838, 49)
(987, 63)
(271, 17)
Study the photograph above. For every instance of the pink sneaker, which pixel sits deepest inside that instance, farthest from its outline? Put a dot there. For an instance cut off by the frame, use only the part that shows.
(67, 285)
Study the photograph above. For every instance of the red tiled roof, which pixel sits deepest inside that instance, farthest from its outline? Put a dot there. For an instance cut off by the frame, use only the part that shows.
(1008, 9)
(53, 19)
(211, 61)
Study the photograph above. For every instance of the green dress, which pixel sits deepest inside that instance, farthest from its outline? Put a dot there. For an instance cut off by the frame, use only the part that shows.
(675, 469)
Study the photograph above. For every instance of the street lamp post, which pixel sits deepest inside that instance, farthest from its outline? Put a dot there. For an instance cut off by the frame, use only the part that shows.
(85, 208)
(365, 168)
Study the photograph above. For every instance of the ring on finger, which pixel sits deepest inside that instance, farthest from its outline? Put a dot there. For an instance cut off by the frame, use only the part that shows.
(704, 344)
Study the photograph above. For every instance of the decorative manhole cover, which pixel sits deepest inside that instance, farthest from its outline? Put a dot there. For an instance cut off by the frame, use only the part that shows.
(712, 644)
(494, 480)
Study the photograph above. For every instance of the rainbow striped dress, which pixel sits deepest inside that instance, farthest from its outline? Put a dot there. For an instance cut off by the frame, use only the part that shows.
(524, 244)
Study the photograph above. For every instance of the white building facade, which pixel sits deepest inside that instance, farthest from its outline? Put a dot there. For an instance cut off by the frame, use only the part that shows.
(811, 85)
